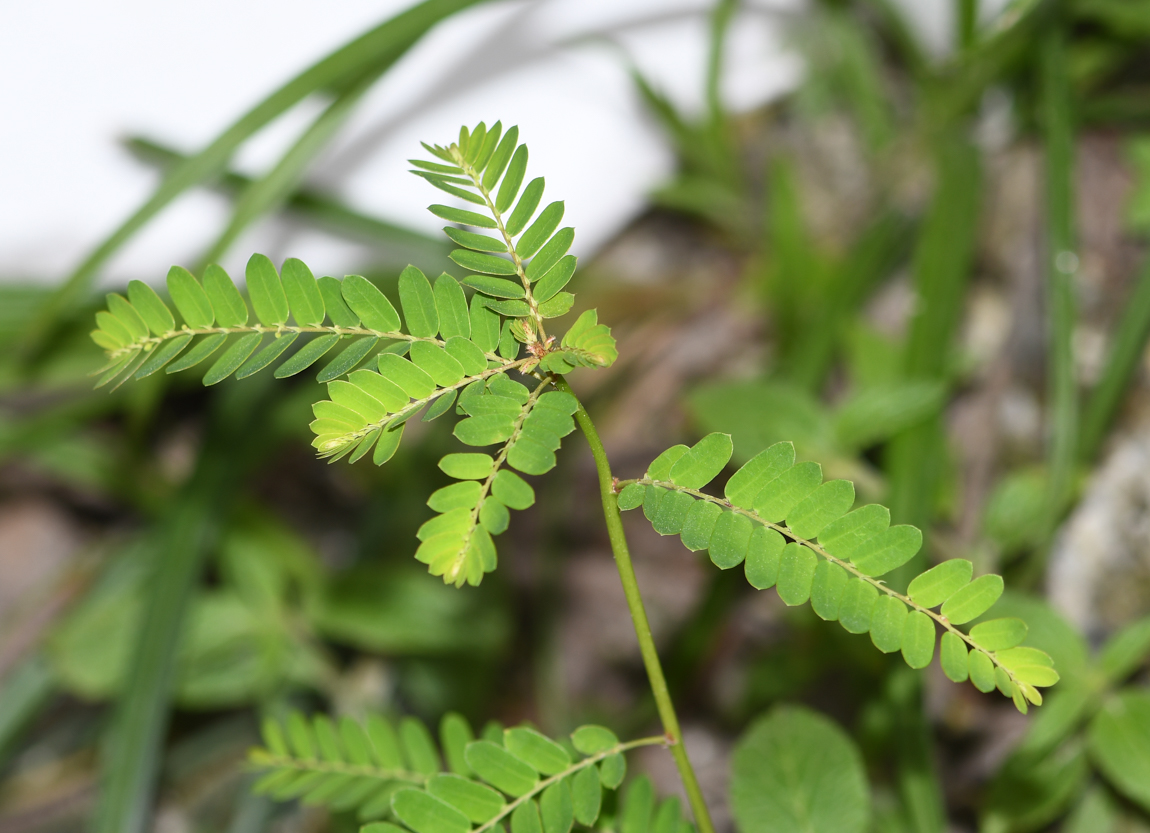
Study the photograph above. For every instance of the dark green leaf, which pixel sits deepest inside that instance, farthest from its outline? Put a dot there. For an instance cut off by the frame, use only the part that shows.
(189, 298)
(541, 752)
(307, 355)
(699, 525)
(484, 325)
(730, 540)
(266, 356)
(477, 242)
(459, 215)
(509, 188)
(794, 771)
(484, 263)
(424, 813)
(495, 287)
(418, 302)
(302, 293)
(347, 360)
(206, 346)
(266, 291)
(550, 254)
(372, 306)
(555, 279)
(451, 306)
(539, 231)
(500, 768)
(163, 354)
(521, 216)
(499, 159)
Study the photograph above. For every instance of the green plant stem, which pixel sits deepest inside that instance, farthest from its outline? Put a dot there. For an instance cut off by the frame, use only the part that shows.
(639, 616)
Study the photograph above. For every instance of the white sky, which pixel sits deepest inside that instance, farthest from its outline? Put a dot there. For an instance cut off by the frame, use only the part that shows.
(79, 75)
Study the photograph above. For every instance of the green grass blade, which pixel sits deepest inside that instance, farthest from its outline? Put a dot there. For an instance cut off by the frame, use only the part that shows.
(1121, 365)
(272, 190)
(1061, 266)
(378, 48)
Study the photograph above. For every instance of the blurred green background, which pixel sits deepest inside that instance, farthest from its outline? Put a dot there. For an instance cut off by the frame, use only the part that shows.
(928, 271)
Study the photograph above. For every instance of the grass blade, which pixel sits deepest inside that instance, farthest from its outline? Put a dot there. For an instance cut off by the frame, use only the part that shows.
(378, 48)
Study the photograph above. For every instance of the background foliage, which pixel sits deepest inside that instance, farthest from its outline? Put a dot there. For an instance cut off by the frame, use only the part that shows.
(924, 271)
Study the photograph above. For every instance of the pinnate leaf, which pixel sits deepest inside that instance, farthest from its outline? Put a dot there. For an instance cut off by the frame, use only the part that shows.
(702, 462)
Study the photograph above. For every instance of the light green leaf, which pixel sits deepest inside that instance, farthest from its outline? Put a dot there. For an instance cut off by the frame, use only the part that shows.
(189, 298)
(591, 739)
(543, 227)
(418, 302)
(512, 490)
(794, 771)
(153, 310)
(425, 813)
(938, 584)
(556, 808)
(827, 586)
(541, 752)
(555, 279)
(612, 769)
(500, 768)
(451, 306)
(479, 803)
(459, 215)
(303, 295)
(703, 461)
(484, 325)
(456, 496)
(432, 360)
(888, 550)
(586, 796)
(388, 443)
(973, 600)
(547, 257)
(660, 468)
(591, 341)
(525, 819)
(335, 305)
(467, 466)
(998, 634)
(785, 492)
(796, 572)
(372, 306)
(127, 315)
(509, 188)
(1125, 651)
(387, 393)
(347, 359)
(669, 512)
(918, 639)
(197, 354)
(307, 355)
(763, 556)
(233, 357)
(412, 380)
(384, 742)
(266, 291)
(638, 806)
(454, 735)
(952, 656)
(266, 356)
(499, 159)
(981, 670)
(856, 607)
(471, 240)
(486, 264)
(487, 429)
(843, 537)
(746, 484)
(495, 287)
(827, 503)
(888, 620)
(730, 540)
(699, 525)
(162, 355)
